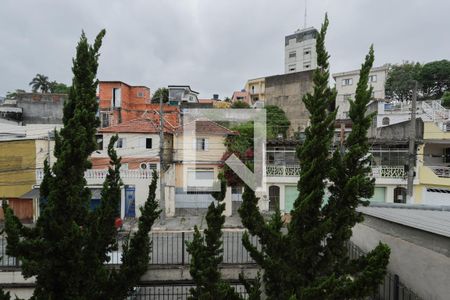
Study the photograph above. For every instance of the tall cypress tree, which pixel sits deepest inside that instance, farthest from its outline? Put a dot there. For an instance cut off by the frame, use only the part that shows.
(309, 260)
(207, 254)
(68, 247)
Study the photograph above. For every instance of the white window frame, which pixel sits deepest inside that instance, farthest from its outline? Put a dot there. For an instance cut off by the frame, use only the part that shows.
(204, 144)
(120, 144)
(373, 78)
(292, 54)
(347, 81)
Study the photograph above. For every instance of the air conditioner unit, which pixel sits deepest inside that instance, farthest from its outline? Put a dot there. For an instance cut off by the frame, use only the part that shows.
(148, 166)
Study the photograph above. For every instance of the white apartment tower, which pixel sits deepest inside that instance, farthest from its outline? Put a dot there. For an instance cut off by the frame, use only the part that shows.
(300, 50)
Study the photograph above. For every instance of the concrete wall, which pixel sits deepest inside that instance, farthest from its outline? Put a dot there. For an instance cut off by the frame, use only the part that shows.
(286, 91)
(397, 132)
(421, 259)
(41, 108)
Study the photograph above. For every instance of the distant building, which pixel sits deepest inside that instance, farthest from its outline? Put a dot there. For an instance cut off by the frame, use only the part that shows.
(257, 88)
(120, 102)
(300, 51)
(182, 93)
(34, 108)
(243, 96)
(346, 83)
(286, 91)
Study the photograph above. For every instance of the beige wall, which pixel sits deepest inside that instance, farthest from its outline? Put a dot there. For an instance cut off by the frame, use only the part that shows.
(343, 90)
(184, 149)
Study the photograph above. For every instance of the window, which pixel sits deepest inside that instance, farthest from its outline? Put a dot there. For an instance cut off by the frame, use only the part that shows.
(347, 81)
(99, 141)
(446, 155)
(347, 96)
(104, 120)
(148, 143)
(140, 94)
(306, 65)
(120, 143)
(385, 121)
(372, 78)
(292, 54)
(202, 144)
(116, 98)
(306, 51)
(291, 67)
(124, 166)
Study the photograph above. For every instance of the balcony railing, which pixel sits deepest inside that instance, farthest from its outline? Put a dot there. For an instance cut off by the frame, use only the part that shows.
(440, 171)
(377, 171)
(388, 172)
(102, 173)
(282, 170)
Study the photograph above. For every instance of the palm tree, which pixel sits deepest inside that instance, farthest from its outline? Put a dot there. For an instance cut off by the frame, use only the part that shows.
(40, 82)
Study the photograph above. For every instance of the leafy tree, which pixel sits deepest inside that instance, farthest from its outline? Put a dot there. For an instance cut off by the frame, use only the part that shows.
(69, 245)
(58, 88)
(207, 254)
(161, 92)
(40, 82)
(435, 78)
(398, 83)
(446, 100)
(240, 104)
(277, 122)
(12, 95)
(308, 259)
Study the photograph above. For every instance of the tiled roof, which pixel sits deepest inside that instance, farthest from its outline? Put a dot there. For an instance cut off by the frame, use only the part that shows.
(141, 125)
(208, 127)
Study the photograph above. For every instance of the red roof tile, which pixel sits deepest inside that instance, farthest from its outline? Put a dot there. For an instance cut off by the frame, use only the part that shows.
(208, 127)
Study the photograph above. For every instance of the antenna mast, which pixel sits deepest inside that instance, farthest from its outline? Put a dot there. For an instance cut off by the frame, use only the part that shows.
(304, 21)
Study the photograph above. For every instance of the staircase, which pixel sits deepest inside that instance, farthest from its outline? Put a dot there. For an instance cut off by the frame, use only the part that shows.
(434, 111)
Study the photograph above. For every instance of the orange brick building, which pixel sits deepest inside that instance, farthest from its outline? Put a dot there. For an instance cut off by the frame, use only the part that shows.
(120, 102)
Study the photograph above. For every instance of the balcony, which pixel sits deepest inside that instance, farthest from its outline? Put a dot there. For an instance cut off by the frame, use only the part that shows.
(100, 174)
(441, 171)
(282, 170)
(395, 172)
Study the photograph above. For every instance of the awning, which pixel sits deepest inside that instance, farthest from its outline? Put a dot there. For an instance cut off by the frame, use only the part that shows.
(34, 193)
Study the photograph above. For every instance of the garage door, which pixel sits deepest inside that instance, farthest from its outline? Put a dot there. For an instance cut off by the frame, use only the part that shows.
(290, 196)
(379, 195)
(436, 196)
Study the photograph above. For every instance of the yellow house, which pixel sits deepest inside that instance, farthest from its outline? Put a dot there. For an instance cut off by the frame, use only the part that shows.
(17, 175)
(257, 89)
(433, 165)
(198, 155)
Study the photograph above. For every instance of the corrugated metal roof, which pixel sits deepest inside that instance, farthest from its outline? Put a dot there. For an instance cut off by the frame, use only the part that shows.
(432, 220)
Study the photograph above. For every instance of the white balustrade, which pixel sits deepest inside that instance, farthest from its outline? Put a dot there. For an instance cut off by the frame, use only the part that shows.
(388, 172)
(441, 171)
(102, 173)
(282, 170)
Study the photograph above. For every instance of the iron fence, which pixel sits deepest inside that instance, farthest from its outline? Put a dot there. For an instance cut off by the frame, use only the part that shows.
(168, 248)
(173, 292)
(391, 288)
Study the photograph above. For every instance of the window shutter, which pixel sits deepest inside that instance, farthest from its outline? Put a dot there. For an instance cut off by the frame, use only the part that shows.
(206, 144)
(194, 144)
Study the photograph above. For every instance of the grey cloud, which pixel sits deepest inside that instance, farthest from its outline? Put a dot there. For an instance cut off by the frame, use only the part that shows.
(214, 46)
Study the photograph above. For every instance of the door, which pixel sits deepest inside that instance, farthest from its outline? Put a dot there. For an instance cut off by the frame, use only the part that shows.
(399, 195)
(130, 193)
(274, 198)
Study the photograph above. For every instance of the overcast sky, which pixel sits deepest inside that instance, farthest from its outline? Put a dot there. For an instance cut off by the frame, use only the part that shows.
(212, 45)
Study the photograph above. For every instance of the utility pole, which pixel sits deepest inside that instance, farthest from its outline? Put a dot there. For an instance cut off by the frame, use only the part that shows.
(412, 147)
(48, 150)
(162, 186)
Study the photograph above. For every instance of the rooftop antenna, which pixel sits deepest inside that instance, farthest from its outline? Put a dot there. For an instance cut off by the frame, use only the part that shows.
(304, 21)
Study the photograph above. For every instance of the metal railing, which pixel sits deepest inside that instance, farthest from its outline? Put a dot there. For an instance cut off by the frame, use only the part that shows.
(168, 248)
(391, 288)
(102, 173)
(175, 292)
